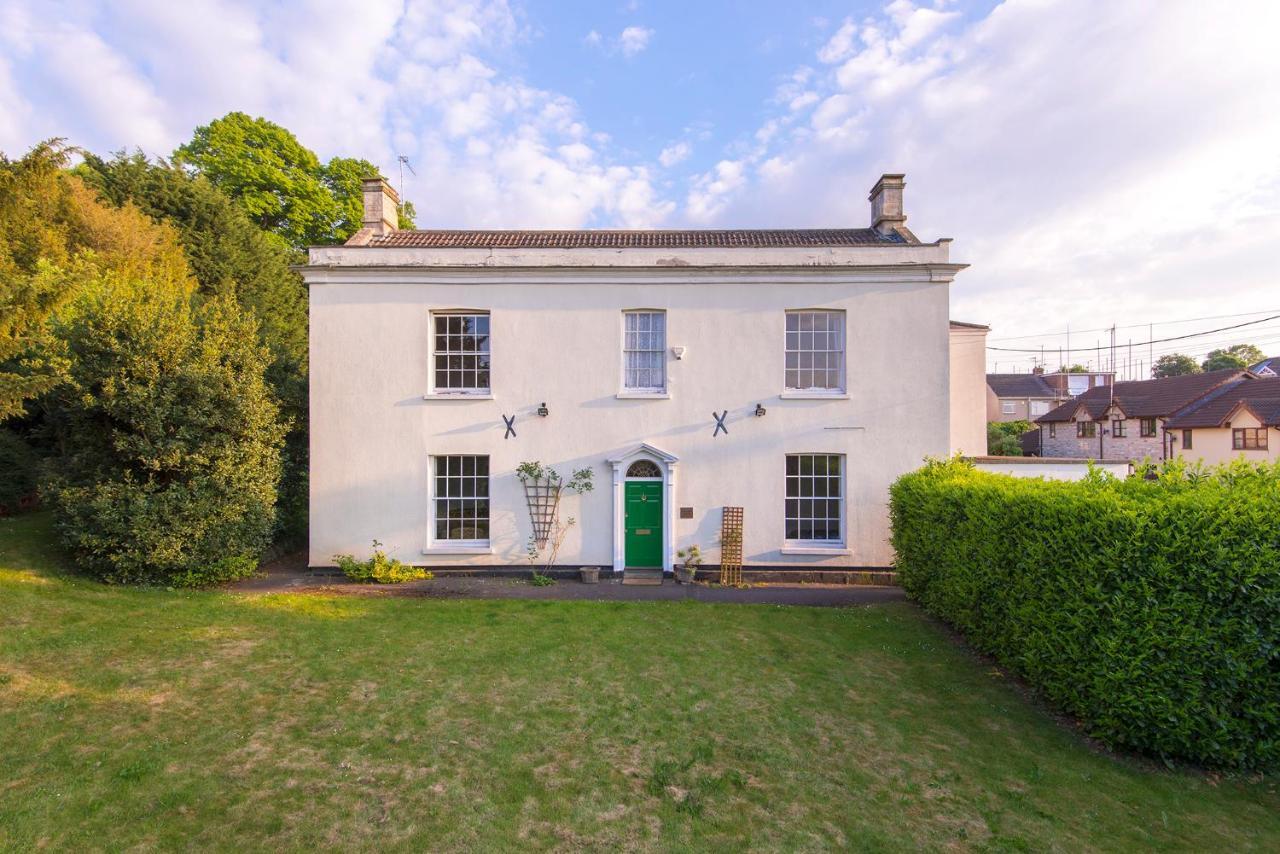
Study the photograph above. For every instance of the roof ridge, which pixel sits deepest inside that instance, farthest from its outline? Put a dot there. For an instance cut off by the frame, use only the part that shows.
(615, 238)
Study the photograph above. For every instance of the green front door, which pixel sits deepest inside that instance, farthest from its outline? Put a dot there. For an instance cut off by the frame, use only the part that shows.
(643, 524)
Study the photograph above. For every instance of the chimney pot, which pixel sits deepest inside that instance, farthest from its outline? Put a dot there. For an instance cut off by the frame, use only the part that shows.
(886, 203)
(381, 206)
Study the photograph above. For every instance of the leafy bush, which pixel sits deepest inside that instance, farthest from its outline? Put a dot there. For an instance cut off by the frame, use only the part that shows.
(168, 438)
(379, 569)
(540, 580)
(1002, 437)
(1147, 607)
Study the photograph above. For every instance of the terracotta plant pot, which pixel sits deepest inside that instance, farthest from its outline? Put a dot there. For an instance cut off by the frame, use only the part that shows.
(590, 574)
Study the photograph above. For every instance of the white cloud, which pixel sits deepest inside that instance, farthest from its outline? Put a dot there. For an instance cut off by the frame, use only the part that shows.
(422, 78)
(1095, 161)
(630, 42)
(711, 192)
(675, 153)
(634, 39)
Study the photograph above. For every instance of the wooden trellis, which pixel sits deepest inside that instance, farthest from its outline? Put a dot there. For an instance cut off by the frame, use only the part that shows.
(731, 546)
(543, 498)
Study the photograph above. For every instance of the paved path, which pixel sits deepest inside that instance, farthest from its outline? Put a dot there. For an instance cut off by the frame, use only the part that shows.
(287, 579)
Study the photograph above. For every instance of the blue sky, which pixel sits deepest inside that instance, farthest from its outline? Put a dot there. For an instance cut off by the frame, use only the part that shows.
(1095, 161)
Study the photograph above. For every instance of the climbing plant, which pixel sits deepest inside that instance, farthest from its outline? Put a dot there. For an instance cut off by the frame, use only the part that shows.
(543, 488)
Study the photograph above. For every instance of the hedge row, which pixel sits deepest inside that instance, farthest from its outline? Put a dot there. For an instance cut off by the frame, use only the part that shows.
(1149, 608)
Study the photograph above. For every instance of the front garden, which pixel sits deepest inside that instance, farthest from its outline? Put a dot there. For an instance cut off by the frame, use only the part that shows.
(151, 718)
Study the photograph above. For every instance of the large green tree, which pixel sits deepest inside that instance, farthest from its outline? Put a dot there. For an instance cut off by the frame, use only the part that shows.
(55, 238)
(1238, 356)
(280, 183)
(1174, 365)
(230, 255)
(227, 253)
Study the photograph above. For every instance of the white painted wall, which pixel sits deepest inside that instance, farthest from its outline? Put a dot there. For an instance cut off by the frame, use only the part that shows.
(968, 390)
(557, 338)
(1051, 469)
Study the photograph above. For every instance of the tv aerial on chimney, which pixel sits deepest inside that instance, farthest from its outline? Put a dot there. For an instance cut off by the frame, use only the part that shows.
(404, 164)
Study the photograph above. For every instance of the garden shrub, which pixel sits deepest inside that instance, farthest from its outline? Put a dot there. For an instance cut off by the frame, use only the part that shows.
(379, 569)
(167, 436)
(1147, 607)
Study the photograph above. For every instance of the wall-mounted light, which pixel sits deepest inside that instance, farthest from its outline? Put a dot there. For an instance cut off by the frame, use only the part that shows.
(678, 352)
(543, 411)
(760, 410)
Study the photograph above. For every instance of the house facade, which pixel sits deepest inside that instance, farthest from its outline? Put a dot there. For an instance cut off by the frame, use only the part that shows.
(688, 370)
(1131, 420)
(1025, 397)
(1241, 419)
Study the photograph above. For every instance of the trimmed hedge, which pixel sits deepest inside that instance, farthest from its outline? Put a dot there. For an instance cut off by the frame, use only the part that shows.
(1149, 608)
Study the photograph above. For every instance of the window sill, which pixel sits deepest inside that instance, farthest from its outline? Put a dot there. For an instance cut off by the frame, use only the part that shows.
(643, 395)
(816, 550)
(813, 395)
(457, 396)
(458, 550)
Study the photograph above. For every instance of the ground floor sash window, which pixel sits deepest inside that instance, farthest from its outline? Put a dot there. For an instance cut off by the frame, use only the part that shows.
(461, 499)
(815, 499)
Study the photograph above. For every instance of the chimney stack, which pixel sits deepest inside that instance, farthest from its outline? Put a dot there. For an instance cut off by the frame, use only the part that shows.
(886, 204)
(381, 206)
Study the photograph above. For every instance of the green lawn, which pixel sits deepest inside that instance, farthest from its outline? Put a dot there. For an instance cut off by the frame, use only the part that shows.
(155, 719)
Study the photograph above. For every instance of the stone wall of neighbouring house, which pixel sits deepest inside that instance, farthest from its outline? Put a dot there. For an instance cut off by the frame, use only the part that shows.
(1131, 447)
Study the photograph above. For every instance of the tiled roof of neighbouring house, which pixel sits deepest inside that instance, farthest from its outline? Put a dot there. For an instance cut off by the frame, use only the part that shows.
(1020, 385)
(1262, 396)
(642, 239)
(1267, 367)
(1144, 398)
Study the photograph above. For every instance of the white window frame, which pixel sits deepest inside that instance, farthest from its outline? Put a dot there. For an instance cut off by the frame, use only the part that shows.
(818, 545)
(1039, 407)
(643, 391)
(436, 389)
(842, 389)
(1008, 407)
(475, 545)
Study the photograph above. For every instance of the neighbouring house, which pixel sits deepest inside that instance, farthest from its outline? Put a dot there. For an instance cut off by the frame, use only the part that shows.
(1241, 418)
(1267, 367)
(968, 387)
(1025, 397)
(689, 370)
(1127, 420)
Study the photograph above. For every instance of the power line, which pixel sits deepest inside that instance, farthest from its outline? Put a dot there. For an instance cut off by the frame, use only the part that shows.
(1060, 333)
(1143, 343)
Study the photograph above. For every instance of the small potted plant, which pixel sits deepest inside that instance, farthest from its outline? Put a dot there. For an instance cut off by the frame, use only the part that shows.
(688, 568)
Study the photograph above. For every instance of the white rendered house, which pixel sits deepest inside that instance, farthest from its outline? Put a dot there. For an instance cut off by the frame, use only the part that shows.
(793, 373)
